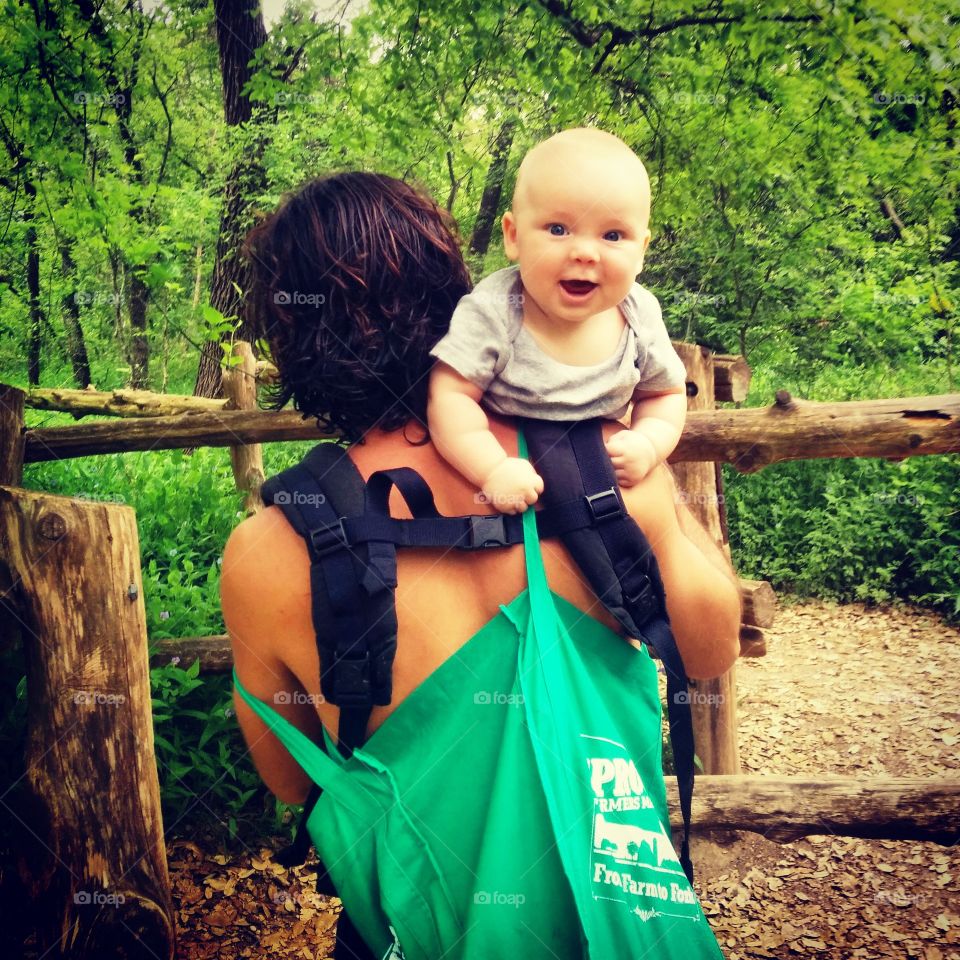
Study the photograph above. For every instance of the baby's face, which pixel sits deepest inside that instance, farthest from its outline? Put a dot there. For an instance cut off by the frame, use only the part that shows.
(578, 231)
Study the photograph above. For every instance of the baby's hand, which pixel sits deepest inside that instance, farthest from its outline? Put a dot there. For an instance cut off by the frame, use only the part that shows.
(513, 485)
(633, 456)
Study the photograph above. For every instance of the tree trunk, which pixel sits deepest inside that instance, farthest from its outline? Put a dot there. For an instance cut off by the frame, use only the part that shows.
(33, 287)
(138, 295)
(240, 33)
(492, 192)
(71, 319)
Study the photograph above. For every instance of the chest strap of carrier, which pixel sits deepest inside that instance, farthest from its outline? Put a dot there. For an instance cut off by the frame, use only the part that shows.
(615, 556)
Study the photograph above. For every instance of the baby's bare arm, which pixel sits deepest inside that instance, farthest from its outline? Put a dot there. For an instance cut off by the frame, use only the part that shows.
(461, 433)
(655, 428)
(660, 417)
(458, 426)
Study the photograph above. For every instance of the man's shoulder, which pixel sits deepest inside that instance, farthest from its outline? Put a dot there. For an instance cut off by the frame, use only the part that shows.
(262, 554)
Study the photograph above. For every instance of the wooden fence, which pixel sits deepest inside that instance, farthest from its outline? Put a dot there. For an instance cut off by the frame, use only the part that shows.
(70, 591)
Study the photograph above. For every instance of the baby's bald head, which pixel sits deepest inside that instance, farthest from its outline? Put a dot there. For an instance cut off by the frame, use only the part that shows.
(589, 156)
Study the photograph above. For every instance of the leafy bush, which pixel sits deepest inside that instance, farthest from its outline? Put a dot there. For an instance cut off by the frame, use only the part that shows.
(851, 529)
(857, 529)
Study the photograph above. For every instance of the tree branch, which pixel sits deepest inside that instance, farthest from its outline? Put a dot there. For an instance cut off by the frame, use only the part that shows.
(589, 35)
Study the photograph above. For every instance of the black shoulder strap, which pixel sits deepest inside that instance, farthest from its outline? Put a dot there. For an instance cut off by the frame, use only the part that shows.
(615, 556)
(353, 612)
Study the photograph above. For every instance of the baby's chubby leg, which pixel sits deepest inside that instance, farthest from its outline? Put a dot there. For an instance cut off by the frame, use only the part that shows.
(703, 599)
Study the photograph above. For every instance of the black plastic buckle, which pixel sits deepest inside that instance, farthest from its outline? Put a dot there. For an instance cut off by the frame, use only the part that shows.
(351, 680)
(642, 599)
(328, 538)
(605, 505)
(486, 531)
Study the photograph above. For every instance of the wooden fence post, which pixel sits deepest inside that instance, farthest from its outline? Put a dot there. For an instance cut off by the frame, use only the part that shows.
(714, 702)
(90, 855)
(240, 389)
(11, 435)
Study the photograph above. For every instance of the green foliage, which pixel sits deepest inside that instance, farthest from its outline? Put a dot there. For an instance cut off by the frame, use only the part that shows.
(205, 774)
(852, 529)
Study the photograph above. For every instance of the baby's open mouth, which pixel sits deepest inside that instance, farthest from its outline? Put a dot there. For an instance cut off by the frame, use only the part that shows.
(577, 288)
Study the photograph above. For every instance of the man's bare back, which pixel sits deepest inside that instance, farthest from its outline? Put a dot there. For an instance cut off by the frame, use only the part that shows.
(443, 597)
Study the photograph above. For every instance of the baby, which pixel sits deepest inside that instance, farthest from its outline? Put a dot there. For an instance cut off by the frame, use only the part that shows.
(567, 334)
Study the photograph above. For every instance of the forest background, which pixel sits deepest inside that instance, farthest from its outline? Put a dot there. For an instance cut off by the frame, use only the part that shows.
(806, 214)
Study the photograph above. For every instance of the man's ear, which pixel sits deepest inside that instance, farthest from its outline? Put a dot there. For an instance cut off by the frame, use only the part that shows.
(509, 224)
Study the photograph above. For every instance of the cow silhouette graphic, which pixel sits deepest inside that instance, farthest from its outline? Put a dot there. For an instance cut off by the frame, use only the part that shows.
(623, 841)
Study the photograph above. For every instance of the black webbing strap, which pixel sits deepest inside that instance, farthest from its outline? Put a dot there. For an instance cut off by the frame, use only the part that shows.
(312, 495)
(615, 556)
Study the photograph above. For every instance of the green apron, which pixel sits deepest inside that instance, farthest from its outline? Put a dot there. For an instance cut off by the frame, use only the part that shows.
(514, 804)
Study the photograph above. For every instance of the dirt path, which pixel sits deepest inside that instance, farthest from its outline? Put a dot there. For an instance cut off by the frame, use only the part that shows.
(848, 691)
(844, 690)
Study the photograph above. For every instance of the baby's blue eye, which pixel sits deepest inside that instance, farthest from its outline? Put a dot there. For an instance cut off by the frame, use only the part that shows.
(556, 229)
(613, 235)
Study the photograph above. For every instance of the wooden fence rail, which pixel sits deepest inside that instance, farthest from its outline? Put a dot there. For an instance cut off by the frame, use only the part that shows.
(749, 438)
(788, 808)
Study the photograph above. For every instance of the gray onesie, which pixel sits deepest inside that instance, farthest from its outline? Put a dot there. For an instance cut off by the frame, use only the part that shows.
(488, 345)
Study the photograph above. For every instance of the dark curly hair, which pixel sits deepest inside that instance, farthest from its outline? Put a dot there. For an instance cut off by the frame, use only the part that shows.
(355, 277)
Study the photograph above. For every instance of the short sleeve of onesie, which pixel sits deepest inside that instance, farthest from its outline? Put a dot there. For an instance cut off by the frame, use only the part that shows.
(658, 365)
(477, 345)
